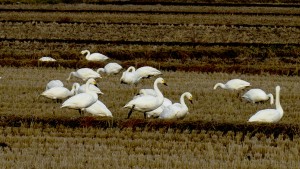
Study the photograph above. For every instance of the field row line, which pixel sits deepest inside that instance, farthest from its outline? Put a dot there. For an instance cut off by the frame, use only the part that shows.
(149, 24)
(123, 42)
(268, 129)
(289, 5)
(148, 12)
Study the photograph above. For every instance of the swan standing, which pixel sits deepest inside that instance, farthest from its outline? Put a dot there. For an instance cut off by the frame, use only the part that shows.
(47, 59)
(54, 83)
(269, 115)
(99, 109)
(147, 103)
(82, 100)
(59, 93)
(85, 74)
(177, 110)
(257, 95)
(111, 68)
(94, 56)
(234, 84)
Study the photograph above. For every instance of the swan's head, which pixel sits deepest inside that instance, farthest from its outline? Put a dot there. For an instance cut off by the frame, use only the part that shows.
(84, 51)
(161, 80)
(91, 81)
(277, 88)
(189, 96)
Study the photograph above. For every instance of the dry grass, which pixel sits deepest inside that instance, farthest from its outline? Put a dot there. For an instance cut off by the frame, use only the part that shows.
(20, 88)
(114, 148)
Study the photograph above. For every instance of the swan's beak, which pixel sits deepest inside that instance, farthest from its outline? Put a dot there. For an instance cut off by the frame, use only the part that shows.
(96, 84)
(165, 84)
(191, 101)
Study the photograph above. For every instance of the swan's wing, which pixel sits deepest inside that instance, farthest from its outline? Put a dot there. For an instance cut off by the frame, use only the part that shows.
(54, 83)
(143, 103)
(167, 113)
(266, 115)
(147, 71)
(98, 57)
(99, 109)
(56, 93)
(87, 72)
(81, 100)
(237, 84)
(255, 95)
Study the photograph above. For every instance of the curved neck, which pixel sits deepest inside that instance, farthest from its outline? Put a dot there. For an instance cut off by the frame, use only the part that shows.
(131, 68)
(277, 102)
(74, 90)
(76, 87)
(88, 54)
(100, 70)
(72, 73)
(182, 102)
(157, 91)
(271, 98)
(87, 90)
(219, 85)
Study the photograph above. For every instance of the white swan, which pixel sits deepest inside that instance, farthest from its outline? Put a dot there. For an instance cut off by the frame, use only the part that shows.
(94, 56)
(147, 71)
(82, 88)
(130, 76)
(257, 95)
(156, 113)
(99, 109)
(111, 68)
(59, 93)
(177, 110)
(269, 115)
(85, 74)
(47, 59)
(147, 103)
(147, 92)
(234, 84)
(54, 83)
(82, 100)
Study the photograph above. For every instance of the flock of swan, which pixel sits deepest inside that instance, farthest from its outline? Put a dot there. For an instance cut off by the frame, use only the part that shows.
(150, 102)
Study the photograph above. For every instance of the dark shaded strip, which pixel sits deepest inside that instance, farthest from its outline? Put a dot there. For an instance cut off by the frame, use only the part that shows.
(149, 12)
(76, 41)
(151, 24)
(275, 130)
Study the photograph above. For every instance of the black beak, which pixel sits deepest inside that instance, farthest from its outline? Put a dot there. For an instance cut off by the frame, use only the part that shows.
(191, 101)
(165, 84)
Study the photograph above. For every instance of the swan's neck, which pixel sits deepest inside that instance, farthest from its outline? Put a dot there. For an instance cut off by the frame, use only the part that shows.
(88, 54)
(70, 75)
(87, 90)
(277, 102)
(182, 102)
(76, 87)
(131, 68)
(220, 85)
(271, 98)
(158, 92)
(100, 70)
(74, 90)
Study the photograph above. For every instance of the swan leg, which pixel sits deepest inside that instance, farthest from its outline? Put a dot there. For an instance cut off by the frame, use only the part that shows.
(145, 115)
(130, 112)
